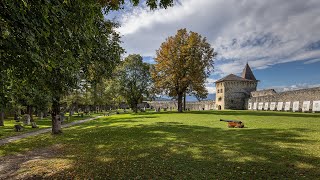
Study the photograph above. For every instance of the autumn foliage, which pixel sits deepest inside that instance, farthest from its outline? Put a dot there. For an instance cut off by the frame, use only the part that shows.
(183, 63)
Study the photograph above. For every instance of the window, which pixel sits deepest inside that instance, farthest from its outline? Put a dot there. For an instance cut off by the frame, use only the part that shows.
(220, 99)
(221, 91)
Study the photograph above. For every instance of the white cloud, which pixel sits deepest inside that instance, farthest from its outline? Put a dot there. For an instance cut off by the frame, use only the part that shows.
(210, 85)
(211, 90)
(293, 87)
(266, 32)
(211, 81)
(312, 61)
(263, 33)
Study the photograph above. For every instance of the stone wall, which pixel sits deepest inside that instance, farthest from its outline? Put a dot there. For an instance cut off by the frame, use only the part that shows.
(173, 105)
(296, 100)
(202, 105)
(266, 92)
(233, 94)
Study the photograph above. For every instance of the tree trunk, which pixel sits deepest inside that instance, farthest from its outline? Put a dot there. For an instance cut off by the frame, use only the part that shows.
(29, 111)
(56, 123)
(71, 109)
(184, 101)
(16, 116)
(134, 107)
(41, 115)
(45, 114)
(2, 117)
(180, 95)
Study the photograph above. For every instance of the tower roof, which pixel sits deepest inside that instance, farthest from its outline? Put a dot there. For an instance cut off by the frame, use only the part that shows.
(232, 77)
(247, 73)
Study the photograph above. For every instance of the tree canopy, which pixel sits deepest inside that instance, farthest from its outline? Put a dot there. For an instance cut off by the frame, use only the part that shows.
(134, 78)
(183, 63)
(118, 4)
(50, 47)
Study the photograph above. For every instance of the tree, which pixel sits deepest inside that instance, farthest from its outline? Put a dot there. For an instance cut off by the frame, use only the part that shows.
(4, 94)
(183, 63)
(55, 44)
(118, 4)
(112, 93)
(25, 94)
(134, 79)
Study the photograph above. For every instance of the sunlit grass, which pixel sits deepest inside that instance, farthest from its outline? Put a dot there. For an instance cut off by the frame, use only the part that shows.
(192, 145)
(8, 130)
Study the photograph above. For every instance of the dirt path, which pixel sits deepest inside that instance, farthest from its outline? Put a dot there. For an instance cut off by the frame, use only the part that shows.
(34, 133)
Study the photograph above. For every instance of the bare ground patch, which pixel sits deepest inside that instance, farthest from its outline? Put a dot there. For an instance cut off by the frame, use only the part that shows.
(36, 164)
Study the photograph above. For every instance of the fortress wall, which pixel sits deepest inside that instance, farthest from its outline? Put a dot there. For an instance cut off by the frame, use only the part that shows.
(299, 96)
(263, 93)
(236, 93)
(173, 105)
(234, 100)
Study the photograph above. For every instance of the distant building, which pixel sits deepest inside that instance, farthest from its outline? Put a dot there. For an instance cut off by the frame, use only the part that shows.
(233, 92)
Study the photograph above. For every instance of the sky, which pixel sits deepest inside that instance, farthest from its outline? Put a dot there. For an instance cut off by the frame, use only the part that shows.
(280, 39)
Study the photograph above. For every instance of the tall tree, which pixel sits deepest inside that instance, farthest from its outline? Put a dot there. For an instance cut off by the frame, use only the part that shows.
(4, 93)
(183, 63)
(112, 93)
(55, 43)
(134, 79)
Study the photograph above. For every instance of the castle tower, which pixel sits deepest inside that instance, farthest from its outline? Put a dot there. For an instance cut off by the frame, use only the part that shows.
(233, 91)
(247, 73)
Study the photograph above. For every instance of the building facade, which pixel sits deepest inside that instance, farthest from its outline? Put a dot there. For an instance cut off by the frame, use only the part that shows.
(233, 92)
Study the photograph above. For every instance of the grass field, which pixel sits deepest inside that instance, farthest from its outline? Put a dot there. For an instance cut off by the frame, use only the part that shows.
(8, 129)
(167, 145)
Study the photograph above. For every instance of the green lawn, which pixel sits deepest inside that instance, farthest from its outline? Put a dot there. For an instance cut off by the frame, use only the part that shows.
(192, 145)
(8, 129)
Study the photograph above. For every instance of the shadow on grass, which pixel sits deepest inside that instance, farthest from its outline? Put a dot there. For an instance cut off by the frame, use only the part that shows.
(177, 151)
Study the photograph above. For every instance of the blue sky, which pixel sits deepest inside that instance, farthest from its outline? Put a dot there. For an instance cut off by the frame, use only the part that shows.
(289, 75)
(279, 38)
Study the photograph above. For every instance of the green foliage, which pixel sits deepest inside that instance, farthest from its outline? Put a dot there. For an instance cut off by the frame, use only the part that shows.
(25, 93)
(118, 4)
(52, 46)
(105, 94)
(4, 89)
(110, 93)
(134, 79)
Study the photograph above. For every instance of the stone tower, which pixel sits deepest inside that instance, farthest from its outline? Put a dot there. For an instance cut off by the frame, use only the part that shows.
(232, 92)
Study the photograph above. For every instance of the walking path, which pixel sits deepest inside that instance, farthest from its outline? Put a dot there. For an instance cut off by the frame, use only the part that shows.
(34, 133)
